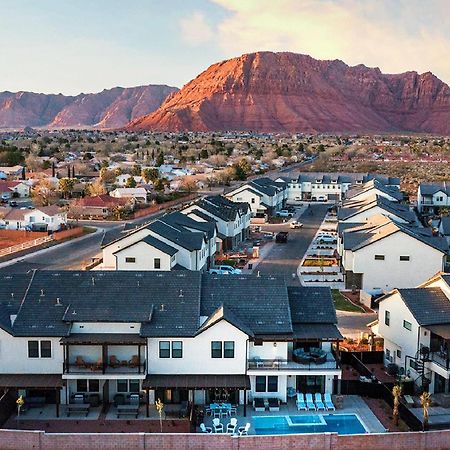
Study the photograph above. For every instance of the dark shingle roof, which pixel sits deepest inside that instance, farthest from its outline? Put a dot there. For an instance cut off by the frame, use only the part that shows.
(429, 306)
(433, 188)
(186, 239)
(156, 243)
(311, 305)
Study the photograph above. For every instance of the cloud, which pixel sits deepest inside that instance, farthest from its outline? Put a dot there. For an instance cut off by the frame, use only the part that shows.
(395, 36)
(195, 30)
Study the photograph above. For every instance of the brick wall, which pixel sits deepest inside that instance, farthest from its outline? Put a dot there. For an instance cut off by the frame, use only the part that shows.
(39, 440)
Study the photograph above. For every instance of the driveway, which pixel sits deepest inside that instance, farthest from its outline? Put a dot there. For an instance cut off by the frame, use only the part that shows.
(283, 259)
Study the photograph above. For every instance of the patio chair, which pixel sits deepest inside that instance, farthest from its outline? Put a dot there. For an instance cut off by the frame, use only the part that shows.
(134, 361)
(113, 361)
(258, 404)
(217, 426)
(80, 363)
(318, 401)
(217, 412)
(205, 429)
(328, 402)
(233, 410)
(301, 405)
(231, 427)
(208, 410)
(97, 365)
(243, 431)
(274, 404)
(310, 403)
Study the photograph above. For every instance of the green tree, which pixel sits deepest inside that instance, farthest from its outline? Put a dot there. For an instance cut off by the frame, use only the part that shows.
(204, 153)
(150, 174)
(130, 183)
(158, 185)
(66, 186)
(160, 159)
(137, 169)
(239, 173)
(320, 148)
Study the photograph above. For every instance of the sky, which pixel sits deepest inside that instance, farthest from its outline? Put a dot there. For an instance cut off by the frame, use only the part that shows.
(74, 46)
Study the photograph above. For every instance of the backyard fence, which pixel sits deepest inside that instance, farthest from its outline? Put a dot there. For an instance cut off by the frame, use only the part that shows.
(25, 245)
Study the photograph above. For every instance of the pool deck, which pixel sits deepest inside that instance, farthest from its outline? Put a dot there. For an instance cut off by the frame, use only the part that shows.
(353, 404)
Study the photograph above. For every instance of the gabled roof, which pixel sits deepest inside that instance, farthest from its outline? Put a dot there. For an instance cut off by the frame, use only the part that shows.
(224, 313)
(101, 201)
(445, 225)
(177, 219)
(186, 239)
(311, 306)
(374, 184)
(434, 188)
(153, 242)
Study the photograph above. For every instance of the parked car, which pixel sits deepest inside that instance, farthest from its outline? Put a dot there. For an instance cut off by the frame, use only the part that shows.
(326, 239)
(283, 213)
(13, 203)
(281, 237)
(295, 224)
(225, 270)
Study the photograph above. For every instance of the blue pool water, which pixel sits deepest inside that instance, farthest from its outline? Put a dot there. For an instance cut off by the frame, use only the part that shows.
(337, 423)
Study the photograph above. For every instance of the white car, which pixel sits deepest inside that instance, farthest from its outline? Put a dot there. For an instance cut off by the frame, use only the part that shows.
(326, 239)
(295, 224)
(225, 270)
(283, 213)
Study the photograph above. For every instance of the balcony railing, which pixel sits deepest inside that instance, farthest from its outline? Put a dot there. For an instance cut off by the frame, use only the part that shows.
(441, 359)
(81, 366)
(289, 364)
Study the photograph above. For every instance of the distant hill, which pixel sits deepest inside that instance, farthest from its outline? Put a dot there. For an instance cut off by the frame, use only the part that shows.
(111, 108)
(268, 91)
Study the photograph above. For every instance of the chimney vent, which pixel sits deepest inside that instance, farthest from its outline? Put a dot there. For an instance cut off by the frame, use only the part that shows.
(162, 307)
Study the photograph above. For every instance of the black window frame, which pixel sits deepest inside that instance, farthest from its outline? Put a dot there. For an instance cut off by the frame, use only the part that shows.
(379, 257)
(405, 327)
(121, 381)
(45, 352)
(157, 263)
(94, 385)
(180, 350)
(161, 350)
(216, 353)
(82, 385)
(272, 383)
(134, 390)
(387, 318)
(228, 353)
(405, 258)
(130, 259)
(259, 380)
(35, 351)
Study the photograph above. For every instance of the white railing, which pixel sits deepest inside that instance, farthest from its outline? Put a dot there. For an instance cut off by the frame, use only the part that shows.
(25, 245)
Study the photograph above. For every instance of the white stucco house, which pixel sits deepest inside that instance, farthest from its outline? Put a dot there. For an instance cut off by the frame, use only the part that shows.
(139, 194)
(43, 218)
(432, 196)
(11, 189)
(382, 254)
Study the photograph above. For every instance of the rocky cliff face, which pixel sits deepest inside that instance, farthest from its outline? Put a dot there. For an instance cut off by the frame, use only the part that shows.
(290, 92)
(112, 108)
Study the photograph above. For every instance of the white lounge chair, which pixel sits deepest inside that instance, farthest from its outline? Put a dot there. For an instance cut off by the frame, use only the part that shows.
(301, 405)
(318, 401)
(204, 429)
(243, 431)
(231, 427)
(329, 402)
(218, 427)
(310, 403)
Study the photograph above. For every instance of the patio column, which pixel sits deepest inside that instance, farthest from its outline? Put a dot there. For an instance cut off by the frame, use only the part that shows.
(245, 402)
(66, 354)
(147, 402)
(139, 358)
(104, 357)
(58, 395)
(338, 356)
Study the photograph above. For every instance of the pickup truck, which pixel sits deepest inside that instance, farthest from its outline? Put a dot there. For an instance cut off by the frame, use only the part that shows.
(225, 270)
(281, 237)
(283, 213)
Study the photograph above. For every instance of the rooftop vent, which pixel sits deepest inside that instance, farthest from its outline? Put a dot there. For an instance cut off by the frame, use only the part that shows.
(74, 313)
(162, 307)
(42, 294)
(93, 281)
(58, 302)
(181, 293)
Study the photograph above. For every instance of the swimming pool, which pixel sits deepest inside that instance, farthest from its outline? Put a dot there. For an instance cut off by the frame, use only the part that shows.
(309, 423)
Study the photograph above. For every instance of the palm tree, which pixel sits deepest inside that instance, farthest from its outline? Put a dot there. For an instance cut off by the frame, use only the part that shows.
(396, 393)
(425, 401)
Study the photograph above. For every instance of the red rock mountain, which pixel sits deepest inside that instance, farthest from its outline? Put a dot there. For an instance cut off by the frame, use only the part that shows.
(111, 108)
(268, 91)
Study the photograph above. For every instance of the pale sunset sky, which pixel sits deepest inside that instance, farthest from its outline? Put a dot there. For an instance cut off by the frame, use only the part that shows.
(73, 46)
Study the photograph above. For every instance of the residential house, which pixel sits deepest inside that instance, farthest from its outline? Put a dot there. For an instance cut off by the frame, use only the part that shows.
(183, 243)
(433, 196)
(13, 189)
(264, 196)
(357, 211)
(121, 180)
(444, 228)
(11, 173)
(100, 206)
(138, 194)
(374, 188)
(383, 254)
(415, 326)
(43, 218)
(232, 219)
(176, 336)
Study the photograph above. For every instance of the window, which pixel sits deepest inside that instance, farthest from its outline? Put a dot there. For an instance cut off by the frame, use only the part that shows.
(399, 353)
(379, 257)
(46, 349)
(260, 384)
(128, 386)
(407, 325)
(387, 318)
(258, 343)
(122, 385)
(33, 349)
(157, 263)
(253, 200)
(228, 349)
(130, 259)
(134, 386)
(216, 349)
(164, 349)
(82, 385)
(272, 384)
(387, 352)
(39, 349)
(404, 258)
(177, 349)
(88, 386)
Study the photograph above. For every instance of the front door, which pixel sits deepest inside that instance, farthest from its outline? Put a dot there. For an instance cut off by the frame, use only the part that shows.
(310, 384)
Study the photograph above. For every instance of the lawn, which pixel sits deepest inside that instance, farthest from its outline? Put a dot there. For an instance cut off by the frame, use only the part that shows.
(342, 304)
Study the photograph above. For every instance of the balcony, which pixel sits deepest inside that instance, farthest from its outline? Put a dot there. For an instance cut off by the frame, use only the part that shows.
(440, 358)
(327, 362)
(104, 354)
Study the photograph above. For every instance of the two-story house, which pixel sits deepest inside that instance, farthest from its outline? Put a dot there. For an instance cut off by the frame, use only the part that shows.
(43, 218)
(415, 326)
(432, 196)
(175, 336)
(173, 241)
(374, 188)
(383, 254)
(232, 218)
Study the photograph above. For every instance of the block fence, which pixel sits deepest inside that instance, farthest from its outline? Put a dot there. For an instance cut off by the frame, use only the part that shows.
(39, 440)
